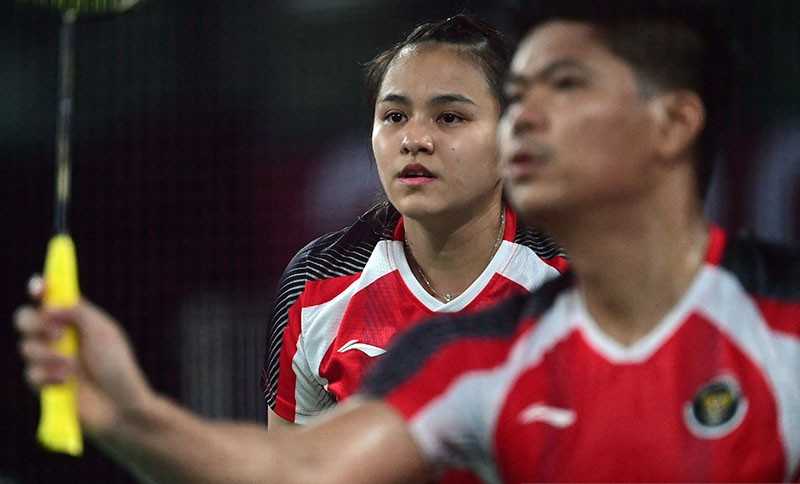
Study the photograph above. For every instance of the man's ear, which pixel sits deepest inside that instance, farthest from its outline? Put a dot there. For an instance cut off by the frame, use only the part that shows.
(680, 117)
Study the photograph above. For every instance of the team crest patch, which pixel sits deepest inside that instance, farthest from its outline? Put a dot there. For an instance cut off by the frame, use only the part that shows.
(717, 409)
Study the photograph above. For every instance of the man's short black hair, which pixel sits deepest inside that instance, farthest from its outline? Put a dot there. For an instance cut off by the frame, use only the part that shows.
(670, 44)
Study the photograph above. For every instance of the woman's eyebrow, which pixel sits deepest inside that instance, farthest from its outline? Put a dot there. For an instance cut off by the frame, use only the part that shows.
(435, 101)
(395, 98)
(450, 98)
(438, 99)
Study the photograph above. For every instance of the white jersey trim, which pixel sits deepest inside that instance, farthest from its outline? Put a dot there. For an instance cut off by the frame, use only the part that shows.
(646, 346)
(310, 395)
(320, 323)
(512, 261)
(518, 265)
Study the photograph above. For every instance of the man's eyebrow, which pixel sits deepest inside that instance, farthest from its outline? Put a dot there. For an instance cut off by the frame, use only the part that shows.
(515, 79)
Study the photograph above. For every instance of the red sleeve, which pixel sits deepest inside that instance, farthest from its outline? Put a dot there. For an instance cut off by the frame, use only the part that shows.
(284, 386)
(559, 263)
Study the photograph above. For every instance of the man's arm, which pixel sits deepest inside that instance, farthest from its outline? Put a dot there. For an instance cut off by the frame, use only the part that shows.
(277, 423)
(361, 442)
(364, 442)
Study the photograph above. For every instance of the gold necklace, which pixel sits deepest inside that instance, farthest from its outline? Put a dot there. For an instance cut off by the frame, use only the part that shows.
(416, 269)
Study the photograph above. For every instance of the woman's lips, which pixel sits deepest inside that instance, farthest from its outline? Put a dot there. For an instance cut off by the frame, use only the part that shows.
(417, 180)
(415, 174)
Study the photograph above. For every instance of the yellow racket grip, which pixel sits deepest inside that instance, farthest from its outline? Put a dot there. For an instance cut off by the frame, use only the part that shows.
(59, 429)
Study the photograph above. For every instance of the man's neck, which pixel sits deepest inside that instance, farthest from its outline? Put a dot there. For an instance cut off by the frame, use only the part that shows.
(633, 264)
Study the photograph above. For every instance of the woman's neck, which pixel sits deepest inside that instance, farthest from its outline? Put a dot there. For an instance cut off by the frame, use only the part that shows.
(447, 253)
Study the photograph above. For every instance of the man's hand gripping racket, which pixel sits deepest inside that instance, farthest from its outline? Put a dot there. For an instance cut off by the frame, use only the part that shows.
(59, 428)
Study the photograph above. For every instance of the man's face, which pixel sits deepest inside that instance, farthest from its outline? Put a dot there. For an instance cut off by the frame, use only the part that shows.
(577, 134)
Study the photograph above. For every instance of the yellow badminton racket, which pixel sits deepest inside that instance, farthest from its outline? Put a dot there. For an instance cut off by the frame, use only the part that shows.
(59, 428)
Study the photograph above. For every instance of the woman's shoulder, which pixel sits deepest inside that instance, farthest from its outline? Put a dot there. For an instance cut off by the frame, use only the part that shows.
(538, 241)
(349, 248)
(376, 224)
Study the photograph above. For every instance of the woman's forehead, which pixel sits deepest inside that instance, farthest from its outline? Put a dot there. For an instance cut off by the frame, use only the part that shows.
(430, 69)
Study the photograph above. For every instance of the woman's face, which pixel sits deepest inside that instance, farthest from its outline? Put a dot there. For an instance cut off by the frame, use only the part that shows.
(434, 133)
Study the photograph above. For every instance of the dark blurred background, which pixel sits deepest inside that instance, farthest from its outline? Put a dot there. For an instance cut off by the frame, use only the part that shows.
(212, 139)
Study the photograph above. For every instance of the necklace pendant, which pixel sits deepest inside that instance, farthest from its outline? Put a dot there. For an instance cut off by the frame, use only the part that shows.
(448, 298)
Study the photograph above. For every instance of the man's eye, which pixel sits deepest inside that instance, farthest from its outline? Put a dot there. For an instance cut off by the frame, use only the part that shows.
(512, 97)
(567, 82)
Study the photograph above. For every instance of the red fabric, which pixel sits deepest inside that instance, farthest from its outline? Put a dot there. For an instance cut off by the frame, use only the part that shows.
(322, 291)
(783, 316)
(657, 441)
(439, 372)
(717, 241)
(558, 263)
(379, 312)
(285, 397)
(608, 413)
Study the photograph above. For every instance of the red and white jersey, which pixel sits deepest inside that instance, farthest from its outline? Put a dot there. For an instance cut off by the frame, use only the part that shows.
(532, 390)
(345, 296)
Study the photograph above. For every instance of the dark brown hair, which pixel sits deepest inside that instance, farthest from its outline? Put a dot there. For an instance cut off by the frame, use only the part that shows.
(479, 40)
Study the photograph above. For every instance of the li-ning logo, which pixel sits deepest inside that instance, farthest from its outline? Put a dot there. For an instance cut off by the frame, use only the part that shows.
(717, 409)
(369, 350)
(555, 416)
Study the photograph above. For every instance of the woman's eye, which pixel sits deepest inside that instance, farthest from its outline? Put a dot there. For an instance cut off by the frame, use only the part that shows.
(450, 118)
(394, 117)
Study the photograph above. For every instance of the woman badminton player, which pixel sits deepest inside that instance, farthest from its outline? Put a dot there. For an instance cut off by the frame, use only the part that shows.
(443, 242)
